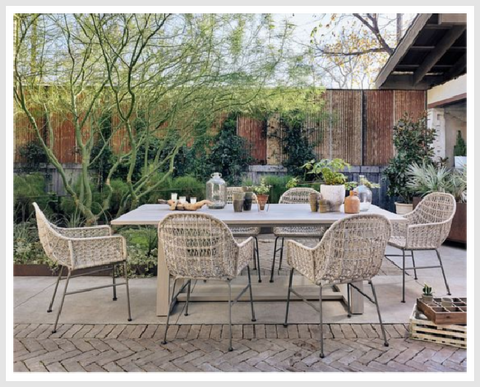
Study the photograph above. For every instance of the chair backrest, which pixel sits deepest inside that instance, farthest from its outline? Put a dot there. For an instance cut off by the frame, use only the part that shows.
(56, 246)
(352, 249)
(298, 195)
(198, 245)
(435, 207)
(232, 190)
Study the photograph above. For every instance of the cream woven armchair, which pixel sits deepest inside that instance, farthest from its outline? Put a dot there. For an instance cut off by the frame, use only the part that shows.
(201, 247)
(351, 250)
(82, 248)
(427, 228)
(294, 196)
(245, 232)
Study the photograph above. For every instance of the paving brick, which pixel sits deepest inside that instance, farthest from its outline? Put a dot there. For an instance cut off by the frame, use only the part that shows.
(257, 348)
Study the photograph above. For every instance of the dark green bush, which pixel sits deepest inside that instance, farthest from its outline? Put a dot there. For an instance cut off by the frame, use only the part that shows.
(29, 188)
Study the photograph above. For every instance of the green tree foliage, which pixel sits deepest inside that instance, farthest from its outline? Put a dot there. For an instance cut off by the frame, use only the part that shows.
(460, 148)
(152, 73)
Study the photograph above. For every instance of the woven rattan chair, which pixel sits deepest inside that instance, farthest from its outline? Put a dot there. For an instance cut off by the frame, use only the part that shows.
(294, 196)
(351, 250)
(82, 248)
(200, 246)
(245, 232)
(427, 228)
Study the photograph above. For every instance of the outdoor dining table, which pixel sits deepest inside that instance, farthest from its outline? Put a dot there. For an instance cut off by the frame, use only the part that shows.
(277, 215)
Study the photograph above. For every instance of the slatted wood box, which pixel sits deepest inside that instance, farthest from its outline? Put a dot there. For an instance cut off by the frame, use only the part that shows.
(423, 329)
(456, 313)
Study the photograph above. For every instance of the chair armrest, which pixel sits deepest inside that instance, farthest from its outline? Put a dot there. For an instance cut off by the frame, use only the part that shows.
(301, 258)
(245, 254)
(427, 235)
(98, 251)
(85, 232)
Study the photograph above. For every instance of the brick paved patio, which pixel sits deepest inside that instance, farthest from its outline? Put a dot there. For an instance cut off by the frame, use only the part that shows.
(130, 348)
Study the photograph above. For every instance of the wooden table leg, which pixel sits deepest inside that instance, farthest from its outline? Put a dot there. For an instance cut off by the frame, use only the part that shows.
(163, 283)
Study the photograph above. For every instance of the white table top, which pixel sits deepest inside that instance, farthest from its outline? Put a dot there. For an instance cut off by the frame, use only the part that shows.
(277, 215)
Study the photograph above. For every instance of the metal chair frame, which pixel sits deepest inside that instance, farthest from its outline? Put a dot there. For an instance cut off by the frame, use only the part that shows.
(320, 311)
(415, 268)
(89, 272)
(231, 303)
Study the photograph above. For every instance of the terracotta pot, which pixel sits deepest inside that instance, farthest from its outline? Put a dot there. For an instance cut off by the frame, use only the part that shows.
(403, 208)
(352, 203)
(262, 200)
(334, 194)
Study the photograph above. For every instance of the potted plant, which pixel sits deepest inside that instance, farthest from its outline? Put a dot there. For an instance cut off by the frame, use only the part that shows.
(262, 192)
(333, 180)
(413, 142)
(430, 177)
(427, 295)
(460, 151)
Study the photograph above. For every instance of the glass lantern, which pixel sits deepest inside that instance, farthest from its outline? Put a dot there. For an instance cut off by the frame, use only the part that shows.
(364, 194)
(217, 191)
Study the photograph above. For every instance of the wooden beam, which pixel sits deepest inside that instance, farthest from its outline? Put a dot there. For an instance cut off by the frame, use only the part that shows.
(458, 68)
(429, 48)
(443, 102)
(440, 49)
(452, 18)
(402, 47)
(415, 66)
(405, 82)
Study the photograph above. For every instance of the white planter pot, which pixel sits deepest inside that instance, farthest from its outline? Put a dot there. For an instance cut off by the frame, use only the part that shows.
(334, 194)
(460, 161)
(402, 208)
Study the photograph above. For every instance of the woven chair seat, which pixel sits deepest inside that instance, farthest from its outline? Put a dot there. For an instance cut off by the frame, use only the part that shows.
(397, 241)
(300, 231)
(240, 231)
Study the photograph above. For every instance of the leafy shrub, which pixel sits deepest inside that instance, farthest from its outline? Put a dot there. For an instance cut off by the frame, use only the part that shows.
(29, 188)
(33, 155)
(142, 250)
(413, 142)
(229, 154)
(27, 248)
(295, 145)
(279, 186)
(460, 148)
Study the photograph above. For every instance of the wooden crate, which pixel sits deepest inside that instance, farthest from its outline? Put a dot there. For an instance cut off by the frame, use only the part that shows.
(423, 329)
(438, 314)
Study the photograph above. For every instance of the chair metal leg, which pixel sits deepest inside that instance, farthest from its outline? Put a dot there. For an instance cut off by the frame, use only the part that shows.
(379, 315)
(413, 264)
(251, 294)
(281, 256)
(254, 256)
(349, 307)
(61, 303)
(443, 272)
(230, 348)
(60, 271)
(403, 276)
(290, 281)
(188, 297)
(125, 273)
(257, 250)
(320, 299)
(114, 287)
(273, 261)
(170, 307)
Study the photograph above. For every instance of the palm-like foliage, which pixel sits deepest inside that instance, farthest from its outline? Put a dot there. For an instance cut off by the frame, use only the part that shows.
(426, 178)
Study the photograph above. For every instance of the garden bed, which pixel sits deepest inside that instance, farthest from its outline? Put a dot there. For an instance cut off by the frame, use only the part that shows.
(34, 270)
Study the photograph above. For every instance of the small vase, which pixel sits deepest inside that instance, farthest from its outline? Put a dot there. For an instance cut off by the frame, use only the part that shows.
(364, 194)
(262, 200)
(323, 206)
(247, 201)
(352, 204)
(427, 299)
(403, 208)
(313, 200)
(238, 205)
(334, 194)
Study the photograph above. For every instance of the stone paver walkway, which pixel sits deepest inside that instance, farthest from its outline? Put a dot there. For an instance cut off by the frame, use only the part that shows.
(127, 348)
